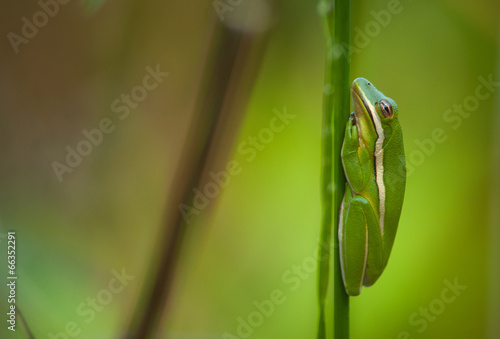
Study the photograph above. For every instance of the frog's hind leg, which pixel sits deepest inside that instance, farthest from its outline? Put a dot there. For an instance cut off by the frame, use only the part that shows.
(356, 226)
(353, 240)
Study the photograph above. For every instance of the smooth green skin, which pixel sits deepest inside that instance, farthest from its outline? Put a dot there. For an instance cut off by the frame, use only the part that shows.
(375, 169)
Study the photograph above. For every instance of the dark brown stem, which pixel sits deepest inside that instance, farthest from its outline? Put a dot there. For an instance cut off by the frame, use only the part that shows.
(229, 76)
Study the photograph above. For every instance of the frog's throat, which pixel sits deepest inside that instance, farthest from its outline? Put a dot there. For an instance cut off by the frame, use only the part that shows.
(378, 154)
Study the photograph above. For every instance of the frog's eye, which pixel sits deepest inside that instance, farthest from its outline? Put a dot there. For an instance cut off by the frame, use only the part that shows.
(385, 108)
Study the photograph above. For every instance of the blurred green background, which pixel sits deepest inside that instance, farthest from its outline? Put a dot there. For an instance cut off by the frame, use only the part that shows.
(106, 214)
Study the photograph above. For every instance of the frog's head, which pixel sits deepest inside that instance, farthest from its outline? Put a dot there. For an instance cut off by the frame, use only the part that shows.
(374, 113)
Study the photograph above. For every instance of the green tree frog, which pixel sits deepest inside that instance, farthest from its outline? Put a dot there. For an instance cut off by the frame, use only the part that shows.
(375, 168)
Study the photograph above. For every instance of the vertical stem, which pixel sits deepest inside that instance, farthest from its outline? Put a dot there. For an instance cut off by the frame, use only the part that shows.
(325, 9)
(341, 81)
(336, 108)
(494, 242)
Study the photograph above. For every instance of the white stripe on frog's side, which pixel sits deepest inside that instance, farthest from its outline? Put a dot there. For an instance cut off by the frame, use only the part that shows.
(379, 161)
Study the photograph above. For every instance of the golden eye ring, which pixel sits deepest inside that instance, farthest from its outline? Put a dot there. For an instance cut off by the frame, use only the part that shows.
(385, 108)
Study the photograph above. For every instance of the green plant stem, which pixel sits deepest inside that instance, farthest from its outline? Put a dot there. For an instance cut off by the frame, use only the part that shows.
(336, 108)
(341, 81)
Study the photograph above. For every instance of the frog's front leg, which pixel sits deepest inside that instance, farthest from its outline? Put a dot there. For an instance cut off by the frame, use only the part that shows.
(361, 252)
(355, 158)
